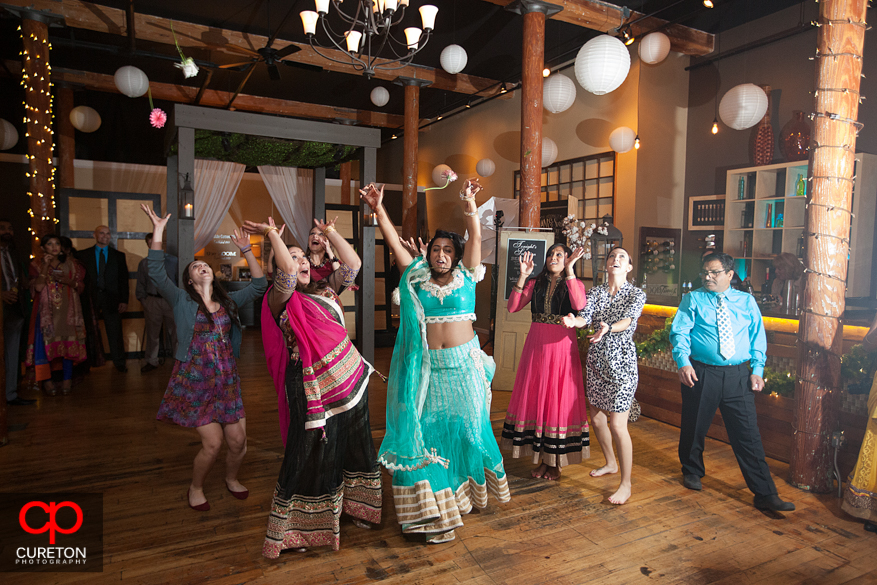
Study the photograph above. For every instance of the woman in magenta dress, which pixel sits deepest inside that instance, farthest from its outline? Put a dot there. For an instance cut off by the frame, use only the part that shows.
(547, 415)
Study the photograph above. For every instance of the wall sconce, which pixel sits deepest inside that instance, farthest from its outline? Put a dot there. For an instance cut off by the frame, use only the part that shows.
(187, 200)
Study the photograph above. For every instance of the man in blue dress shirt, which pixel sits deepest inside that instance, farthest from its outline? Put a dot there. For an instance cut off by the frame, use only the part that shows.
(717, 335)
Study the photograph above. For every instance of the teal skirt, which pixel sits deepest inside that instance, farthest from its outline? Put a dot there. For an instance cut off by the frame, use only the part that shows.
(455, 421)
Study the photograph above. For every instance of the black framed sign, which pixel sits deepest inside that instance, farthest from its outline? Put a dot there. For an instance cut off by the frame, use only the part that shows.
(516, 247)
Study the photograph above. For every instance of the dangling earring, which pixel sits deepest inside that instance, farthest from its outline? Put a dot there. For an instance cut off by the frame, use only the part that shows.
(190, 281)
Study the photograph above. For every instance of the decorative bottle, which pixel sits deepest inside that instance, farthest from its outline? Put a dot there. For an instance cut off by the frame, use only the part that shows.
(800, 186)
(769, 221)
(741, 188)
(763, 152)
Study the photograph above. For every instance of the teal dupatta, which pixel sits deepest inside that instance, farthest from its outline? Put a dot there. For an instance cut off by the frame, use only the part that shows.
(403, 447)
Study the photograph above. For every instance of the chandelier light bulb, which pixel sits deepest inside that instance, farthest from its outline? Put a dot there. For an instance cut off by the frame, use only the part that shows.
(353, 38)
(390, 5)
(309, 21)
(427, 14)
(322, 6)
(715, 129)
(412, 34)
(546, 72)
(708, 3)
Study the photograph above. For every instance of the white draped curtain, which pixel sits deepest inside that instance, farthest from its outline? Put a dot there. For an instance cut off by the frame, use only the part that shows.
(216, 183)
(292, 191)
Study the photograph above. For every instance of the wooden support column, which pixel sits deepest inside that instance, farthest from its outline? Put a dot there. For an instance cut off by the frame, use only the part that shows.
(535, 13)
(832, 164)
(35, 73)
(345, 183)
(66, 138)
(409, 154)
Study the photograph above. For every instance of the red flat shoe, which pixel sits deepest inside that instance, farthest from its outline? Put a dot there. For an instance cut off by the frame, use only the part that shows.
(200, 507)
(239, 495)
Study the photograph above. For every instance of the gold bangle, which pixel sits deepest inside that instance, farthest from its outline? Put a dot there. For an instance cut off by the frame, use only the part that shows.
(328, 230)
(470, 214)
(269, 229)
(518, 289)
(573, 277)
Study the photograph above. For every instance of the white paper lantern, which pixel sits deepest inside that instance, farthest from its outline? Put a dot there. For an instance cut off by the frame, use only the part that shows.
(84, 119)
(131, 81)
(437, 175)
(654, 48)
(380, 96)
(621, 140)
(485, 167)
(602, 64)
(8, 135)
(743, 106)
(453, 58)
(549, 152)
(558, 93)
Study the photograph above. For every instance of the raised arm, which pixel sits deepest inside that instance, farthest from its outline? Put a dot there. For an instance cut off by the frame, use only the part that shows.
(155, 259)
(241, 239)
(521, 293)
(375, 200)
(472, 252)
(577, 295)
(344, 275)
(287, 266)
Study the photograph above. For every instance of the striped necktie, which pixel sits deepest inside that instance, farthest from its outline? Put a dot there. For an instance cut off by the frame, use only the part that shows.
(726, 335)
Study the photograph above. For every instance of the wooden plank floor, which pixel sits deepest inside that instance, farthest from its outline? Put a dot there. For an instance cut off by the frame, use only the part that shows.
(104, 438)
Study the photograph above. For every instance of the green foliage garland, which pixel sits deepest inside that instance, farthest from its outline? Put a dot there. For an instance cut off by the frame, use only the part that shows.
(657, 342)
(254, 151)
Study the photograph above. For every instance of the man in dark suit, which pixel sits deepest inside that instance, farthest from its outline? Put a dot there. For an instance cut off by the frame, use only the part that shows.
(106, 282)
(16, 309)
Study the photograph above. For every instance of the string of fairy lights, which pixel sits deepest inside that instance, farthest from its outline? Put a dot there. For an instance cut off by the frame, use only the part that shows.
(38, 105)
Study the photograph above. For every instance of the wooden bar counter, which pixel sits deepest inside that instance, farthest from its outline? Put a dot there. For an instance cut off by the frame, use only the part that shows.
(660, 398)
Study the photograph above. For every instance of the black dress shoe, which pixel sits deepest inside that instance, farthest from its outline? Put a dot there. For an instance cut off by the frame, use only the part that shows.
(691, 481)
(148, 368)
(870, 527)
(20, 401)
(121, 366)
(774, 503)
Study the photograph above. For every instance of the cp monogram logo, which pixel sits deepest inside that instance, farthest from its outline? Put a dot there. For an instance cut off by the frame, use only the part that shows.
(51, 524)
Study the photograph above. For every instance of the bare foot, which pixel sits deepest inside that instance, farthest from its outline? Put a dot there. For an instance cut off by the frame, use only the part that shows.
(620, 496)
(552, 473)
(196, 496)
(235, 486)
(539, 471)
(605, 470)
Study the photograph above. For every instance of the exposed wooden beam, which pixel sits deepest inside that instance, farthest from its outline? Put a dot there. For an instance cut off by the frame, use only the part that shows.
(604, 17)
(85, 15)
(220, 99)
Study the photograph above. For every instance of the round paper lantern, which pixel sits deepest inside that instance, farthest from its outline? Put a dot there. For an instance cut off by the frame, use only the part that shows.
(558, 93)
(602, 64)
(622, 139)
(654, 48)
(437, 175)
(453, 58)
(380, 96)
(485, 167)
(84, 119)
(743, 106)
(8, 135)
(549, 152)
(131, 81)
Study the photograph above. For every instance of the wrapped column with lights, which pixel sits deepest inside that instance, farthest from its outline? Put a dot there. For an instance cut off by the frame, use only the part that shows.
(36, 80)
(841, 37)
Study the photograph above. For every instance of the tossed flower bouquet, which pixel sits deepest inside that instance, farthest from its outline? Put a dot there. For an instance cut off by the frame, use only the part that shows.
(579, 233)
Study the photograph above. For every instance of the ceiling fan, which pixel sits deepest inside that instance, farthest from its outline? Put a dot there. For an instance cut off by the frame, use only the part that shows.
(267, 54)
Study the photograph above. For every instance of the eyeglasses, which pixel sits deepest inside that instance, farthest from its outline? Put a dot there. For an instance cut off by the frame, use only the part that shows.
(712, 273)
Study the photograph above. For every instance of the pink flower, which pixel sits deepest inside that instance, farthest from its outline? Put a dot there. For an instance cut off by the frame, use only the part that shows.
(157, 118)
(449, 176)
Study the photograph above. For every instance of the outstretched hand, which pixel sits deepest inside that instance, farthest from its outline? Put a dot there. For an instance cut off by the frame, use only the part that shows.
(569, 321)
(322, 225)
(471, 188)
(413, 248)
(372, 196)
(526, 263)
(598, 335)
(573, 258)
(240, 238)
(262, 229)
(157, 222)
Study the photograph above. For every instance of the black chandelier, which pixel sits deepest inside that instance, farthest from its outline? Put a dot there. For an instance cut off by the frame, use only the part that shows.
(368, 33)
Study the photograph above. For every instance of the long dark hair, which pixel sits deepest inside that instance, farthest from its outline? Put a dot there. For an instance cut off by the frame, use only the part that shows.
(62, 257)
(218, 295)
(456, 242)
(542, 280)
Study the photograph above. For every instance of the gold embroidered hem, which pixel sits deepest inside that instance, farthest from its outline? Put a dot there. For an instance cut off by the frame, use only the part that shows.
(436, 514)
(549, 459)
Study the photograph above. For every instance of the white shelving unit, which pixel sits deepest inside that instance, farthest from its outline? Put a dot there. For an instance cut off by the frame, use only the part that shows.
(769, 218)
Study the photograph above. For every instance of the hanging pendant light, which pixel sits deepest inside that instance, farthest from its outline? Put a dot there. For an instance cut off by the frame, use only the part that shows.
(602, 64)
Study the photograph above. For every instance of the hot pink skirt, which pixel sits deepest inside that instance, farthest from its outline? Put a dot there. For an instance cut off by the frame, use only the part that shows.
(547, 416)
